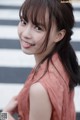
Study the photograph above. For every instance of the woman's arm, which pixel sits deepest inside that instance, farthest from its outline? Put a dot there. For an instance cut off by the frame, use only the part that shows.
(40, 106)
(10, 108)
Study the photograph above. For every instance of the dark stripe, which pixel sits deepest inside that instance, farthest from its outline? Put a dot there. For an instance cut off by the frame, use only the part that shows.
(78, 116)
(15, 44)
(13, 75)
(15, 23)
(9, 44)
(18, 7)
(76, 8)
(9, 7)
(9, 22)
(76, 45)
(77, 25)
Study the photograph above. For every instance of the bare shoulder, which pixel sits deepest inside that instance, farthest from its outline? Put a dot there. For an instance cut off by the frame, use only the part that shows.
(39, 102)
(37, 88)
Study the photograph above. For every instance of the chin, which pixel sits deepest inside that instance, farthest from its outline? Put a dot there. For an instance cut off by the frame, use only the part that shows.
(27, 52)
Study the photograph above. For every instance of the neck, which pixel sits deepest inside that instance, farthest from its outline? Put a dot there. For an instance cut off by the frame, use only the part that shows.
(41, 56)
(38, 59)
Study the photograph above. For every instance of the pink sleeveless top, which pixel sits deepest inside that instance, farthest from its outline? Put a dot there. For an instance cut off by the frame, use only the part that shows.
(56, 83)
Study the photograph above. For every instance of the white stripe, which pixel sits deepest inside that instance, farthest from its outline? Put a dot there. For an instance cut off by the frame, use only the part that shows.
(76, 35)
(78, 56)
(14, 15)
(15, 58)
(9, 14)
(7, 91)
(10, 32)
(19, 2)
(77, 16)
(76, 4)
(11, 2)
(77, 99)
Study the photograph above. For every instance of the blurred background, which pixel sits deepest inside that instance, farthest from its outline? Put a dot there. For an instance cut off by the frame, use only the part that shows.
(14, 64)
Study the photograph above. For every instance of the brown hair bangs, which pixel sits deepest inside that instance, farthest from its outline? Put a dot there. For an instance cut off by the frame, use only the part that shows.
(34, 10)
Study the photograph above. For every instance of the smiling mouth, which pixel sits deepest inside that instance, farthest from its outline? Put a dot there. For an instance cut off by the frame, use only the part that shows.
(27, 44)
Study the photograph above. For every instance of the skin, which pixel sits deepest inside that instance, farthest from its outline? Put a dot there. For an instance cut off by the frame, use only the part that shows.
(10, 108)
(31, 38)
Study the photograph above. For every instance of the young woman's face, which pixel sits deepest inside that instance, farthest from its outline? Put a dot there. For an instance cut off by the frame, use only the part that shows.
(32, 36)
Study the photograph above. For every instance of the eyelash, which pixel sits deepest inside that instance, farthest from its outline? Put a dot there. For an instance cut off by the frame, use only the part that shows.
(39, 28)
(23, 22)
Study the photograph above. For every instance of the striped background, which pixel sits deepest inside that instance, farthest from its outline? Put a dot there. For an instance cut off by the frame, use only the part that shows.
(14, 64)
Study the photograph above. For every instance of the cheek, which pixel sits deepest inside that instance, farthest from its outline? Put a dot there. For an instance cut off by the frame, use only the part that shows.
(19, 30)
(40, 38)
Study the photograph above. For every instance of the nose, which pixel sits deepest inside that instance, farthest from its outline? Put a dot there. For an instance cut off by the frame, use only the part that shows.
(27, 32)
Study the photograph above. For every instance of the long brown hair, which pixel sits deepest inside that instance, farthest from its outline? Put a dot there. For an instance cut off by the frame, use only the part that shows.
(62, 14)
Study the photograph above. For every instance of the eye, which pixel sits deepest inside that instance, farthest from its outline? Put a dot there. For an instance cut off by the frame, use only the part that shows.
(23, 22)
(38, 28)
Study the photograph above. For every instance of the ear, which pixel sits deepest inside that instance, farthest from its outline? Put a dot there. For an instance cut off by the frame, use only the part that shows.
(60, 35)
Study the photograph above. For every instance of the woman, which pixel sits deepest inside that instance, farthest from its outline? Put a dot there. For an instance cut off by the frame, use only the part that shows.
(45, 31)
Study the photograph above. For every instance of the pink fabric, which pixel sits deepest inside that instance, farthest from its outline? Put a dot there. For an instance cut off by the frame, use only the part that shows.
(56, 83)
